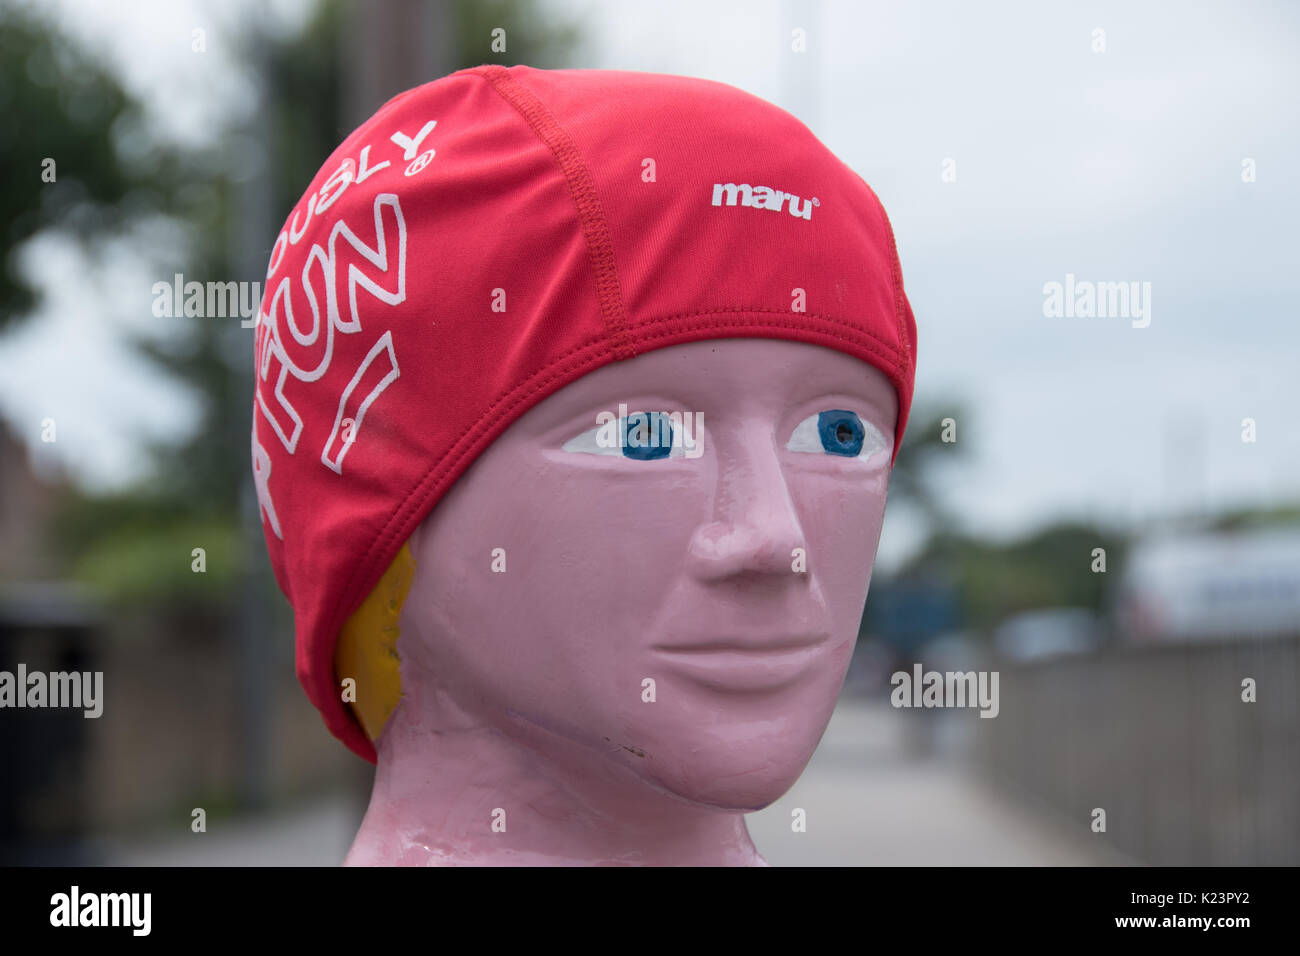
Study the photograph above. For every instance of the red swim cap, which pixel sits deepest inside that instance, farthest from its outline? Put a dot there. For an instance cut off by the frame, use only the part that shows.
(486, 239)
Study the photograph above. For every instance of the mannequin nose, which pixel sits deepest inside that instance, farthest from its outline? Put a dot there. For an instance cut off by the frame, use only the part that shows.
(754, 529)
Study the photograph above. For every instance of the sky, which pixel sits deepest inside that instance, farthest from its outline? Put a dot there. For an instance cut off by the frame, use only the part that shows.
(1122, 164)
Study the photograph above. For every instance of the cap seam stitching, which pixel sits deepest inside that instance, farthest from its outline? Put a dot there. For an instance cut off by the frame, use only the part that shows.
(899, 361)
(896, 273)
(582, 190)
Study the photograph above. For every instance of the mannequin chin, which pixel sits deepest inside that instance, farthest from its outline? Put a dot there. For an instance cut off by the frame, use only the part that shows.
(610, 657)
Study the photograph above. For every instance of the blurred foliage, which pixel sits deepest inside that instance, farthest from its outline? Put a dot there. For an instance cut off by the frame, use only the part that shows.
(133, 549)
(1249, 519)
(1052, 567)
(910, 482)
(303, 102)
(145, 567)
(59, 102)
(533, 37)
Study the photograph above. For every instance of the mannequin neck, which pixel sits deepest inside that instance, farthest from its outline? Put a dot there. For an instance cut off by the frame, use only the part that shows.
(453, 789)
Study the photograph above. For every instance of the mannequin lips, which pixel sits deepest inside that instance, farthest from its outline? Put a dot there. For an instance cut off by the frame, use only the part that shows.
(748, 643)
(746, 664)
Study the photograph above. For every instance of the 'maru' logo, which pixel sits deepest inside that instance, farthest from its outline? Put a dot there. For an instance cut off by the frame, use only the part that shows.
(763, 197)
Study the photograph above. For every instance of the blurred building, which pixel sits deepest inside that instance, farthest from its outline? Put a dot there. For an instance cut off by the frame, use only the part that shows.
(1198, 586)
(26, 503)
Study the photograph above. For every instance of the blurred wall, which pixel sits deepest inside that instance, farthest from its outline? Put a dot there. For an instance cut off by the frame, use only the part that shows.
(169, 737)
(1159, 737)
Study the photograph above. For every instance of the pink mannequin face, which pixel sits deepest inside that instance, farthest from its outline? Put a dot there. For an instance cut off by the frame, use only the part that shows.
(683, 570)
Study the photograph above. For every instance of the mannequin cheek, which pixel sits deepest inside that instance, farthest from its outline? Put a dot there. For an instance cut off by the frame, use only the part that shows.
(842, 525)
(583, 559)
(606, 544)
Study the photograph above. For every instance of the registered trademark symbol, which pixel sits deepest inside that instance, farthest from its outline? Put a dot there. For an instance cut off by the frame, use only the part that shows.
(816, 201)
(419, 162)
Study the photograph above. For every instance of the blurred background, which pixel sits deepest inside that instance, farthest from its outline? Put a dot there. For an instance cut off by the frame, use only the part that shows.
(1106, 514)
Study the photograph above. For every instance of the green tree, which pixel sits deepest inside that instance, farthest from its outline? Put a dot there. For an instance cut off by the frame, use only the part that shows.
(62, 165)
(1050, 567)
(911, 483)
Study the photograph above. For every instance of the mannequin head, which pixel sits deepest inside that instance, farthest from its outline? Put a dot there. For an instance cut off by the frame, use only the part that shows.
(620, 652)
(683, 570)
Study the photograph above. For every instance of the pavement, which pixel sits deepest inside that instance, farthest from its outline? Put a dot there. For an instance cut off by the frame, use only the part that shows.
(869, 800)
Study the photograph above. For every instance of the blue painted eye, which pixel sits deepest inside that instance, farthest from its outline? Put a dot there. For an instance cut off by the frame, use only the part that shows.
(837, 432)
(647, 436)
(841, 433)
(642, 436)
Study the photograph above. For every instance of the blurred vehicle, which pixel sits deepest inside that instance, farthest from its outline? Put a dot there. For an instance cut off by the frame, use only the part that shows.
(1210, 585)
(1047, 632)
(902, 617)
